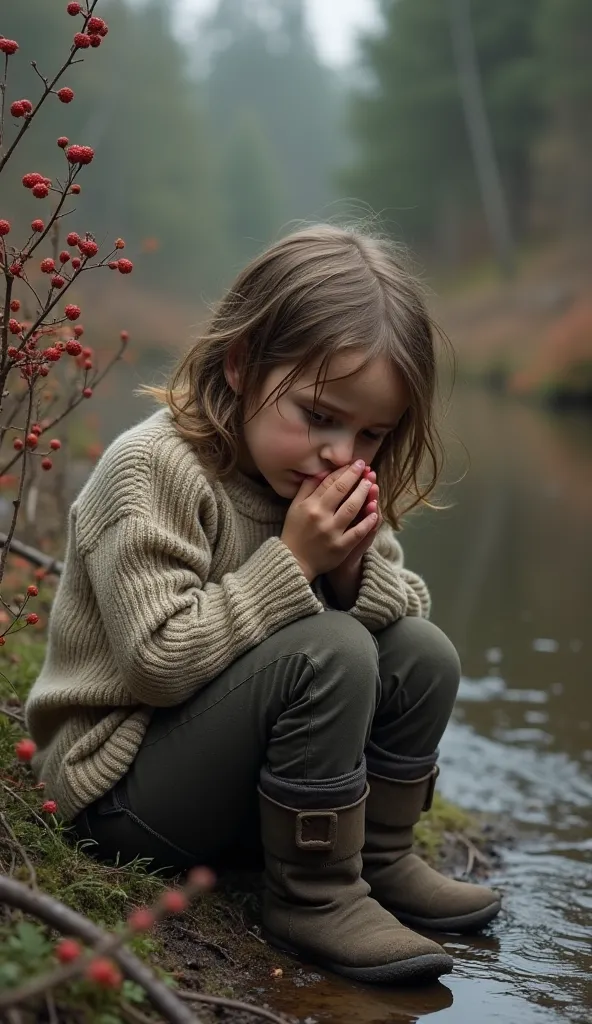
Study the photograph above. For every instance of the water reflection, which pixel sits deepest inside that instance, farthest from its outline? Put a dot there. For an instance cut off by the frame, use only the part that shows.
(510, 567)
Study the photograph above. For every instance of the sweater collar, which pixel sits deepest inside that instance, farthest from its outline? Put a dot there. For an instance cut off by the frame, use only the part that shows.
(255, 498)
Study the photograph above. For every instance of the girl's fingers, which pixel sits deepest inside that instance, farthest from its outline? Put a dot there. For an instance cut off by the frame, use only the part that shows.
(359, 532)
(336, 488)
(352, 505)
(370, 507)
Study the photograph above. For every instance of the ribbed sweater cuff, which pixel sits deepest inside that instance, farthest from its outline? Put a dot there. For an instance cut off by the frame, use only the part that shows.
(382, 597)
(281, 592)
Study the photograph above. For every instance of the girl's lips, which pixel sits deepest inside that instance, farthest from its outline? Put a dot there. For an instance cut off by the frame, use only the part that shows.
(311, 476)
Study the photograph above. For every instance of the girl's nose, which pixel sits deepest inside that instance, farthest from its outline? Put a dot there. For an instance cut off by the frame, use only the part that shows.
(339, 453)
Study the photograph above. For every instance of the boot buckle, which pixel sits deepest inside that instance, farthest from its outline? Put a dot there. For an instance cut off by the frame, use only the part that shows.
(316, 830)
(431, 788)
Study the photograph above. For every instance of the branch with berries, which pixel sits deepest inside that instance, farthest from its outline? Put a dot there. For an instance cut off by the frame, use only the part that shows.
(87, 952)
(39, 324)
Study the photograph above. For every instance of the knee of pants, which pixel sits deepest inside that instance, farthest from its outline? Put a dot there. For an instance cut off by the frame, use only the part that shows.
(340, 643)
(428, 654)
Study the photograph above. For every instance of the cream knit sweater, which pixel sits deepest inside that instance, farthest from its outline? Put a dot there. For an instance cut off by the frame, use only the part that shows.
(168, 578)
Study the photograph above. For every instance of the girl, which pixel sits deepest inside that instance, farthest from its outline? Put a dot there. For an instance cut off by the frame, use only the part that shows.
(238, 662)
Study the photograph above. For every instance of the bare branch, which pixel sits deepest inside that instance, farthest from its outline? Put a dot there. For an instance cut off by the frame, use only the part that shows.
(20, 848)
(34, 556)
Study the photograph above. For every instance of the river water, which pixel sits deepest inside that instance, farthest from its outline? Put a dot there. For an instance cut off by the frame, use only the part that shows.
(510, 568)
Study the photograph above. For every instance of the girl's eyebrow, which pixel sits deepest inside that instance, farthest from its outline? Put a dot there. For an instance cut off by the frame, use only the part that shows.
(324, 404)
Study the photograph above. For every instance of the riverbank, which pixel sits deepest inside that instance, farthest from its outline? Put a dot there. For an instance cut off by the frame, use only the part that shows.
(213, 948)
(530, 337)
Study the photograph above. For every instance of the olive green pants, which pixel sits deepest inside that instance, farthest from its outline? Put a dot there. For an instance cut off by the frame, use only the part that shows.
(313, 703)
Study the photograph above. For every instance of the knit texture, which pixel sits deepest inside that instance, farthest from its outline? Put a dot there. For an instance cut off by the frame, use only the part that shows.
(168, 578)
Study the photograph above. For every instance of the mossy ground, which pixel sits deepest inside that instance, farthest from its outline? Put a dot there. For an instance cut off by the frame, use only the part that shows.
(213, 948)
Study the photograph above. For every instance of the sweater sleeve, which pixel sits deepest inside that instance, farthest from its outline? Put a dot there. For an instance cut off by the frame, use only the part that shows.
(171, 629)
(388, 590)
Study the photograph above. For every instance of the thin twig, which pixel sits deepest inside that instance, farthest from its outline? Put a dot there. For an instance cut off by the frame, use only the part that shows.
(201, 940)
(133, 1015)
(51, 1008)
(19, 718)
(38, 818)
(19, 846)
(230, 1004)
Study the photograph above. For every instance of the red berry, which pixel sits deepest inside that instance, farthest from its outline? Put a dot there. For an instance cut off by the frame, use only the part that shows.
(57, 281)
(2, 641)
(46, 464)
(15, 268)
(80, 154)
(72, 312)
(76, 189)
(112, 265)
(25, 749)
(78, 331)
(32, 440)
(73, 348)
(55, 444)
(15, 305)
(125, 266)
(94, 24)
(32, 619)
(37, 429)
(63, 141)
(174, 901)
(68, 950)
(52, 354)
(87, 392)
(65, 95)
(47, 265)
(95, 40)
(104, 30)
(41, 190)
(87, 353)
(27, 106)
(8, 46)
(73, 238)
(37, 224)
(32, 178)
(104, 973)
(13, 326)
(202, 878)
(4, 227)
(76, 263)
(32, 590)
(18, 445)
(119, 243)
(124, 335)
(17, 109)
(64, 256)
(141, 920)
(88, 247)
(50, 807)
(73, 8)
(87, 364)
(81, 41)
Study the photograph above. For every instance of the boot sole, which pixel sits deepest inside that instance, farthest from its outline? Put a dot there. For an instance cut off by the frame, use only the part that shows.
(418, 968)
(466, 923)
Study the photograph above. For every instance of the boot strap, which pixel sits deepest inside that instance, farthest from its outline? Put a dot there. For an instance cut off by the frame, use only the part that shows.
(289, 833)
(399, 803)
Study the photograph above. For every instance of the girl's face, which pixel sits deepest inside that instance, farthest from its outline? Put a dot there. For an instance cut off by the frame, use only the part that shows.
(286, 441)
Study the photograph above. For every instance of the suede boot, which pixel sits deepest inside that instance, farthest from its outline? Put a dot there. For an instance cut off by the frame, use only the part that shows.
(400, 880)
(316, 904)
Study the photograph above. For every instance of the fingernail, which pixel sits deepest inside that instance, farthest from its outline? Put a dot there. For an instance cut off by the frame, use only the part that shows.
(359, 463)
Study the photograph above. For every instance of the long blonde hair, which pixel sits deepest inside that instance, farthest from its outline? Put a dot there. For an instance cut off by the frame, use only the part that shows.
(314, 293)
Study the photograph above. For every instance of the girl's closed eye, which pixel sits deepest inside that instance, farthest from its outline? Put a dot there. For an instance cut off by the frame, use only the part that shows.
(320, 419)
